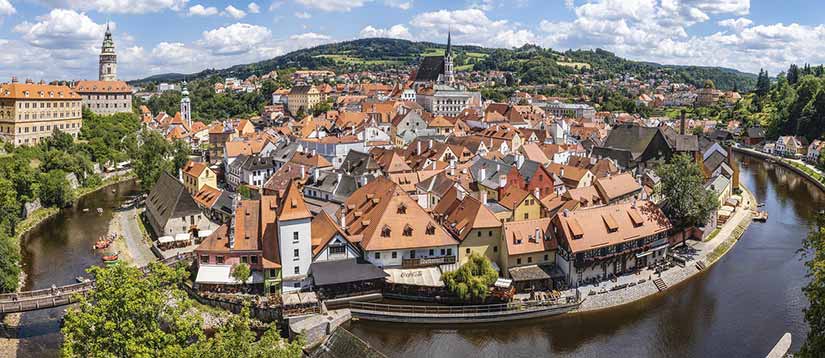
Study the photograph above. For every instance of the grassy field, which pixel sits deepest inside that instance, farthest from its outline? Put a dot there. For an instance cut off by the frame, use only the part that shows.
(576, 65)
(465, 67)
(433, 52)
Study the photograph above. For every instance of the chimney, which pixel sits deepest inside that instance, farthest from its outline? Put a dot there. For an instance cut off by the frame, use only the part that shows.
(537, 193)
(344, 218)
(502, 181)
(561, 172)
(484, 197)
(537, 235)
(316, 174)
(682, 129)
(313, 152)
(29, 81)
(13, 79)
(363, 180)
(452, 167)
(431, 144)
(418, 148)
(303, 172)
(482, 173)
(180, 174)
(339, 175)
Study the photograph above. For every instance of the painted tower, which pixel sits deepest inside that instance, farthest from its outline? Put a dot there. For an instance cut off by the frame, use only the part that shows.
(108, 58)
(186, 106)
(449, 73)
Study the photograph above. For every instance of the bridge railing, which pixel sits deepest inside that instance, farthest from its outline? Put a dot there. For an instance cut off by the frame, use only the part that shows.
(471, 309)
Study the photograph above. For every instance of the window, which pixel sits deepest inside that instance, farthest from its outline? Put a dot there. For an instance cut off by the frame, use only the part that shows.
(479, 233)
(430, 229)
(377, 255)
(530, 260)
(253, 259)
(432, 252)
(244, 259)
(468, 250)
(219, 260)
(297, 271)
(526, 216)
(449, 252)
(295, 237)
(394, 254)
(518, 261)
(546, 257)
(385, 232)
(408, 231)
(412, 254)
(495, 248)
(296, 284)
(337, 250)
(443, 252)
(490, 233)
(296, 255)
(273, 273)
(204, 259)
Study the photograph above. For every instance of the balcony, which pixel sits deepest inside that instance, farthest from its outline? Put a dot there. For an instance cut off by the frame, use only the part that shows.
(427, 261)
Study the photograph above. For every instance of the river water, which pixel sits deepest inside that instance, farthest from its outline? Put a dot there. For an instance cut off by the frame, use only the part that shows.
(740, 307)
(56, 252)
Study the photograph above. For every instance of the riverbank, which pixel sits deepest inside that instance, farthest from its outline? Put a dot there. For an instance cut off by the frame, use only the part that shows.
(707, 252)
(807, 171)
(10, 324)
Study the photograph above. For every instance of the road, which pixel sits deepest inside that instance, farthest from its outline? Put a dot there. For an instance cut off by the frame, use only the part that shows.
(138, 249)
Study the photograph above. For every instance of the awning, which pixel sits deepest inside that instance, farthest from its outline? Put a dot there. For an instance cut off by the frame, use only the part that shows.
(343, 271)
(182, 237)
(222, 275)
(204, 233)
(535, 272)
(165, 239)
(503, 283)
(643, 254)
(424, 276)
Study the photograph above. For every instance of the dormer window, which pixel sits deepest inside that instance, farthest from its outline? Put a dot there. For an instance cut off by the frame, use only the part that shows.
(385, 231)
(408, 230)
(402, 209)
(430, 229)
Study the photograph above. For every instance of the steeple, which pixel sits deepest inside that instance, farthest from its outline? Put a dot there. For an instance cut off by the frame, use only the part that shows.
(185, 106)
(449, 52)
(108, 58)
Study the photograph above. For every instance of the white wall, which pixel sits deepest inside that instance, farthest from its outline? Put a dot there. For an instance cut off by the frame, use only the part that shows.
(287, 245)
(324, 255)
(386, 258)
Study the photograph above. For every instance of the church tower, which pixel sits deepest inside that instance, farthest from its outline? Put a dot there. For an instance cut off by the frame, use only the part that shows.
(108, 58)
(449, 74)
(185, 106)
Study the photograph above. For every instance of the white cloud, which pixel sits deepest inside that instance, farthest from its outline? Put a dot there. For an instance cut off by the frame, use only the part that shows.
(333, 5)
(736, 24)
(235, 39)
(6, 8)
(397, 31)
(471, 26)
(310, 37)
(61, 29)
(200, 10)
(118, 6)
(275, 4)
(570, 4)
(253, 8)
(399, 4)
(303, 15)
(233, 12)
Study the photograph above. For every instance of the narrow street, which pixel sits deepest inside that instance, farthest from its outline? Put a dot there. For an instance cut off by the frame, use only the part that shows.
(138, 250)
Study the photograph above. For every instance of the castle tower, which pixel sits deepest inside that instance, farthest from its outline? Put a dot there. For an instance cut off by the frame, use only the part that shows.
(108, 58)
(186, 106)
(449, 74)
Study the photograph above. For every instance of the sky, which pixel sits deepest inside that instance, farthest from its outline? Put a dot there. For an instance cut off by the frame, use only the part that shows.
(60, 39)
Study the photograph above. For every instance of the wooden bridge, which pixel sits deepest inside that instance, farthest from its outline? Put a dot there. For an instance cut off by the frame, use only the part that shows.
(63, 295)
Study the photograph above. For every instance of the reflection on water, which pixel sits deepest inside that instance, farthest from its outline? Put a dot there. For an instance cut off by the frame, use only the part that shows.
(55, 253)
(740, 307)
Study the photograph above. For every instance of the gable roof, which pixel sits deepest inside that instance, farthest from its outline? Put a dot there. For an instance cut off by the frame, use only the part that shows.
(520, 236)
(590, 225)
(324, 229)
(293, 206)
(615, 186)
(430, 68)
(169, 199)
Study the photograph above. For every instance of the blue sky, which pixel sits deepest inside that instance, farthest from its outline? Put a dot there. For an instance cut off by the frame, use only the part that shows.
(59, 39)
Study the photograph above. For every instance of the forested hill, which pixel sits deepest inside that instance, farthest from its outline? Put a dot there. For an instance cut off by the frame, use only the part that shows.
(530, 64)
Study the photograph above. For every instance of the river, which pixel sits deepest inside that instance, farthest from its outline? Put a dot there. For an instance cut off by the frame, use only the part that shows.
(740, 307)
(56, 252)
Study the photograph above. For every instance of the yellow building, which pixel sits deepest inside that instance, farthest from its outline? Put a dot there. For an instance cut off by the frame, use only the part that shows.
(195, 175)
(30, 112)
(473, 224)
(522, 204)
(529, 253)
(303, 97)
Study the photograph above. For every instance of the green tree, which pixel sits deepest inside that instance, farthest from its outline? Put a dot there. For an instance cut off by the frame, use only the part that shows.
(9, 263)
(472, 280)
(708, 84)
(129, 315)
(688, 203)
(10, 207)
(241, 273)
(55, 189)
(814, 249)
(60, 140)
(181, 151)
(150, 159)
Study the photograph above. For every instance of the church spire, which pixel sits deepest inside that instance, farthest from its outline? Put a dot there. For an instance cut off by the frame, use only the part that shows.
(449, 43)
